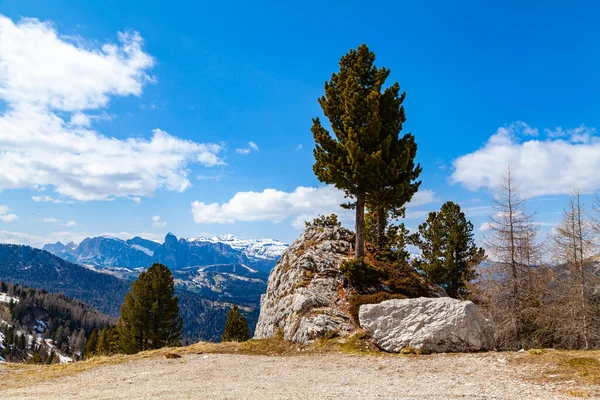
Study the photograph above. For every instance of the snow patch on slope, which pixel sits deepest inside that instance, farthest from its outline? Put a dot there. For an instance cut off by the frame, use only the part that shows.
(143, 249)
(5, 298)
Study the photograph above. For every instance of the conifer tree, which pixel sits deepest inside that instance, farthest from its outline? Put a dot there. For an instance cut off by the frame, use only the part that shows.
(92, 343)
(103, 345)
(449, 253)
(150, 313)
(366, 159)
(236, 328)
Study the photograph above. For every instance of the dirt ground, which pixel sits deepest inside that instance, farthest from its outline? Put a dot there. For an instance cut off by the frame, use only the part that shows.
(307, 376)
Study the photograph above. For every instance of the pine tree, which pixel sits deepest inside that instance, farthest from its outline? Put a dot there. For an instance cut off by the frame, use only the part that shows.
(367, 159)
(449, 253)
(114, 340)
(236, 328)
(150, 313)
(103, 345)
(92, 343)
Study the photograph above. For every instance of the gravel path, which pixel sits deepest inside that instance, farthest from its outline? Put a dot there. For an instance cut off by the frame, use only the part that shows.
(329, 376)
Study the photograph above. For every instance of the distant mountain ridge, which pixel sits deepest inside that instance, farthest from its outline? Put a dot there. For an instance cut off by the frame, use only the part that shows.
(107, 251)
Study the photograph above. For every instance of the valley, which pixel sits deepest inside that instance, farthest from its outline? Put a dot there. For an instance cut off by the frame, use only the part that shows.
(211, 274)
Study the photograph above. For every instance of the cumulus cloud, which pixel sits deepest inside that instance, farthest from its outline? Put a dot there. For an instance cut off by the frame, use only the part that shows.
(564, 160)
(302, 204)
(247, 150)
(157, 223)
(6, 215)
(49, 82)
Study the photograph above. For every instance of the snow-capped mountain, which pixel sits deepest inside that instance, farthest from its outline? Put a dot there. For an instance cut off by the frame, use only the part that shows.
(266, 249)
(106, 251)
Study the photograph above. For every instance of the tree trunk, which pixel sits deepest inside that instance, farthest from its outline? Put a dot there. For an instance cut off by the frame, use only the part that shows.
(359, 250)
(381, 225)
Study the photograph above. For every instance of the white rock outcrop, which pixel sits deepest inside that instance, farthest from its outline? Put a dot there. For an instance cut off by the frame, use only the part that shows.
(434, 324)
(306, 297)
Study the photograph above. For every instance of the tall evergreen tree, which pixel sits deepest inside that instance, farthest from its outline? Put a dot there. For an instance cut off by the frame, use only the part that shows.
(367, 157)
(150, 313)
(236, 328)
(449, 253)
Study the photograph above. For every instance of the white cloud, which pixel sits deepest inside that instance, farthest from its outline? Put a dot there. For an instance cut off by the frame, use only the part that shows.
(42, 68)
(56, 221)
(247, 150)
(80, 119)
(541, 167)
(303, 204)
(157, 223)
(6, 215)
(299, 147)
(48, 199)
(47, 80)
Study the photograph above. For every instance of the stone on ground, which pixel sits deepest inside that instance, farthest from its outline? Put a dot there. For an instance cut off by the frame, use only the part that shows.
(433, 324)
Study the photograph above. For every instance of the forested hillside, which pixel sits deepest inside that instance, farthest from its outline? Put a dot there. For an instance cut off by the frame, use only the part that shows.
(37, 268)
(41, 327)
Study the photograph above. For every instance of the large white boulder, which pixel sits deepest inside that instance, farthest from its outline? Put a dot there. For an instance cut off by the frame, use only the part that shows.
(434, 324)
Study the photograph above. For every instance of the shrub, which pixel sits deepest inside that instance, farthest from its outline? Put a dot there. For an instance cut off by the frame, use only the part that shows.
(360, 273)
(323, 221)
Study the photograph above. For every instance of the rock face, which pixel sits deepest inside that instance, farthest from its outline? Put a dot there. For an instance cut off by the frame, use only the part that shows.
(306, 297)
(434, 324)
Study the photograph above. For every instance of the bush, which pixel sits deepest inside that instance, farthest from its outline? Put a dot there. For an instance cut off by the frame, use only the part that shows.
(356, 300)
(322, 221)
(360, 273)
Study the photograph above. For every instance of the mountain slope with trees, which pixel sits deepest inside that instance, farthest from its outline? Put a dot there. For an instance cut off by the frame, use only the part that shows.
(41, 327)
(37, 268)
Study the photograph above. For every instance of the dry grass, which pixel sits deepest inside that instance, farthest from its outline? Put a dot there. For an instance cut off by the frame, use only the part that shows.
(582, 367)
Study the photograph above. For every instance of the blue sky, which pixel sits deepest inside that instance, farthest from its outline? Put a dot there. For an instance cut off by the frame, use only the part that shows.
(115, 113)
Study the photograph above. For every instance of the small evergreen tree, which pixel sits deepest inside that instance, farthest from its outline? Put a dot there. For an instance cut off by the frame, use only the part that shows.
(103, 345)
(324, 221)
(449, 253)
(236, 327)
(150, 313)
(36, 359)
(92, 343)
